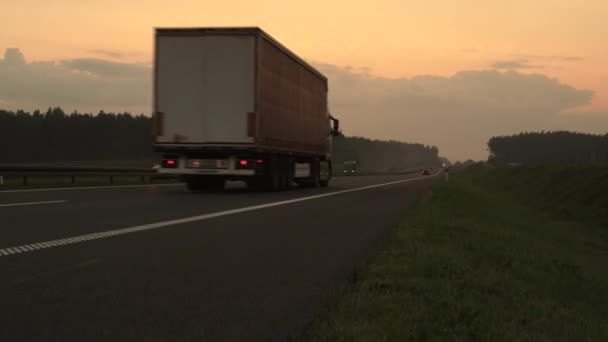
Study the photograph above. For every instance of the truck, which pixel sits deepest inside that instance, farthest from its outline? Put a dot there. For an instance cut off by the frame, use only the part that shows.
(232, 103)
(350, 167)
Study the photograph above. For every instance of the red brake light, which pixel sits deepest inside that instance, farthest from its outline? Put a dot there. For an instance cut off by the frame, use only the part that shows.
(243, 162)
(170, 162)
(260, 161)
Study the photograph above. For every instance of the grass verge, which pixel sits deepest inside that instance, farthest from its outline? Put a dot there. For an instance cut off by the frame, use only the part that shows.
(486, 258)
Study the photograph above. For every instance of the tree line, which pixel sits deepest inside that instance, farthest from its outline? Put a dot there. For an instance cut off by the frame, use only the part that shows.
(57, 136)
(380, 155)
(543, 147)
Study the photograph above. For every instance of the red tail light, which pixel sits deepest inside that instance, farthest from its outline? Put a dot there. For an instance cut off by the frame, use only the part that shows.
(170, 162)
(243, 162)
(260, 161)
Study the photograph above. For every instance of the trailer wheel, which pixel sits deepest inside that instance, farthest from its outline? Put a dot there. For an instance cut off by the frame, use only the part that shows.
(205, 183)
(272, 178)
(291, 172)
(286, 172)
(193, 185)
(316, 176)
(256, 183)
(215, 184)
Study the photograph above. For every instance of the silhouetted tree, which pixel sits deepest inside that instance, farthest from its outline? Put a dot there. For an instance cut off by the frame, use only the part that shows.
(560, 146)
(55, 136)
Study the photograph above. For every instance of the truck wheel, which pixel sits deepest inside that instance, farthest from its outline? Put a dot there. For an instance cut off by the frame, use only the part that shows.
(194, 183)
(256, 183)
(215, 184)
(325, 183)
(272, 178)
(291, 172)
(316, 176)
(202, 183)
(286, 173)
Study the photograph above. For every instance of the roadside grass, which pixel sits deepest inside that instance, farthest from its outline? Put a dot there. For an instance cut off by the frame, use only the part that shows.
(517, 254)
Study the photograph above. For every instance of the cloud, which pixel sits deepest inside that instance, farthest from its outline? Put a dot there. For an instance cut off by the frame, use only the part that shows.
(106, 68)
(458, 113)
(108, 53)
(82, 84)
(515, 64)
(571, 59)
(550, 58)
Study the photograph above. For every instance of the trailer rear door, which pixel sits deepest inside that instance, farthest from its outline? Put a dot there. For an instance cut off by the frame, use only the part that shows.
(204, 88)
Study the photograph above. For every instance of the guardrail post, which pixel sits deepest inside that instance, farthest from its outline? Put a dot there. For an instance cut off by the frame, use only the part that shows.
(73, 179)
(24, 180)
(111, 179)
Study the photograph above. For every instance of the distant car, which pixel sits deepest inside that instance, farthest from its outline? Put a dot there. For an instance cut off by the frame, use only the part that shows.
(426, 172)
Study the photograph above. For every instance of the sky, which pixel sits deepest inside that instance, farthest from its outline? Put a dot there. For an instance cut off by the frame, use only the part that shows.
(445, 73)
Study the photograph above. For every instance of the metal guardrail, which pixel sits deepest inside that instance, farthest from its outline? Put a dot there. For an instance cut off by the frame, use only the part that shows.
(25, 172)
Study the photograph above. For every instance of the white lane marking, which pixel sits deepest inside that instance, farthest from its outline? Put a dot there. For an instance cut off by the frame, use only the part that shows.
(30, 203)
(90, 187)
(123, 231)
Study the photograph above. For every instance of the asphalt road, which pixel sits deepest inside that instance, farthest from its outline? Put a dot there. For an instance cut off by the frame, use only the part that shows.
(157, 263)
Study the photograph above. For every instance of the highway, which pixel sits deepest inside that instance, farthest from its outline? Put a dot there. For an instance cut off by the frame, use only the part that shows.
(157, 263)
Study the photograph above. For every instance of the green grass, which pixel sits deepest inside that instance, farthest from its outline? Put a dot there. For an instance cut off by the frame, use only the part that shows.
(517, 254)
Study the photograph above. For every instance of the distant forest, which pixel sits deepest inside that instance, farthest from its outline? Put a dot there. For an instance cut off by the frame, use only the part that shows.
(56, 136)
(544, 147)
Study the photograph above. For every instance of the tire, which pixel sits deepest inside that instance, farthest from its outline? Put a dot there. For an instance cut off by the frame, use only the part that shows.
(286, 172)
(325, 183)
(316, 176)
(272, 179)
(215, 184)
(193, 185)
(256, 183)
(283, 182)
(291, 173)
(203, 183)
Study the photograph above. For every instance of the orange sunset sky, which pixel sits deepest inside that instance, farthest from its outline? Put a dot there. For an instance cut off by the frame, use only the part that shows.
(450, 49)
